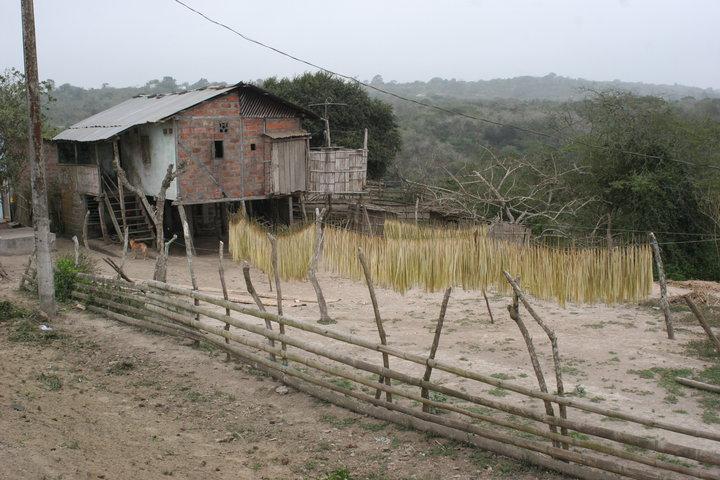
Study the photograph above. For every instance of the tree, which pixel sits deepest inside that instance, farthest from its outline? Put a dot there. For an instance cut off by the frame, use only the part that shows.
(347, 123)
(653, 169)
(13, 124)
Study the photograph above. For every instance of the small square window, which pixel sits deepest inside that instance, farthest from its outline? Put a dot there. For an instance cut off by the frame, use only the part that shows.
(252, 146)
(218, 148)
(223, 127)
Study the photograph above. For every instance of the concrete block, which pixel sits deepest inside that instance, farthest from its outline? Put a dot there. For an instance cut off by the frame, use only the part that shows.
(19, 241)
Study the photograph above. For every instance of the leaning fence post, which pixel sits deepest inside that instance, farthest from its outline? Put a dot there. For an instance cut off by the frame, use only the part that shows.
(514, 311)
(258, 302)
(221, 272)
(553, 342)
(703, 322)
(278, 288)
(378, 322)
(487, 303)
(663, 287)
(312, 271)
(189, 254)
(434, 347)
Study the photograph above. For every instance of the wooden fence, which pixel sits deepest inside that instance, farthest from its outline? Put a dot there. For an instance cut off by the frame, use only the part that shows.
(313, 357)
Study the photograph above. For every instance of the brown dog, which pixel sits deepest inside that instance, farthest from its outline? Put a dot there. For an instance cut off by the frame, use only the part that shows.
(138, 247)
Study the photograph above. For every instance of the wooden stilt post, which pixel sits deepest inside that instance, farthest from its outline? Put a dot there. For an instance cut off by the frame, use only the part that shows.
(253, 293)
(378, 322)
(302, 207)
(291, 218)
(278, 288)
(417, 207)
(367, 220)
(101, 217)
(514, 311)
(664, 305)
(433, 349)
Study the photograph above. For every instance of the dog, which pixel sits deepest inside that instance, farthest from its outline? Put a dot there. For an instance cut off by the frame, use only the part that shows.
(139, 247)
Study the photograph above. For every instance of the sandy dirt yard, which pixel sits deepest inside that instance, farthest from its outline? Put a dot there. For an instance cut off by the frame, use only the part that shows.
(104, 400)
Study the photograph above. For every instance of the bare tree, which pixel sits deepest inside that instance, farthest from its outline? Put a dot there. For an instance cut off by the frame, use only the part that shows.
(514, 190)
(156, 212)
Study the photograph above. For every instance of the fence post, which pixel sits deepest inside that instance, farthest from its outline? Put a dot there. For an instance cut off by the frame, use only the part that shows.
(434, 347)
(664, 305)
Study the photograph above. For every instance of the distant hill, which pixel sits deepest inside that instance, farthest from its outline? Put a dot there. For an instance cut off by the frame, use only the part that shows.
(550, 87)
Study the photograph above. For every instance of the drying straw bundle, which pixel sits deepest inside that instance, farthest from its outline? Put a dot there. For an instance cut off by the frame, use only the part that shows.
(433, 259)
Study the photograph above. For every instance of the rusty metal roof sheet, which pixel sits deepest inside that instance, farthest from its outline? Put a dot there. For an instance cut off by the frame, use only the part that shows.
(288, 134)
(154, 108)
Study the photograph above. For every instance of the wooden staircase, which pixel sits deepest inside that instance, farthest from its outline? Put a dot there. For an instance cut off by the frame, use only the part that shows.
(140, 227)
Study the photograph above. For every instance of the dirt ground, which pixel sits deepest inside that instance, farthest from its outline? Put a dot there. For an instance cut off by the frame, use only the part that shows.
(109, 401)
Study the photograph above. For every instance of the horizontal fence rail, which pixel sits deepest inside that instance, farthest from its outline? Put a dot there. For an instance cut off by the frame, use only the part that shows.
(312, 361)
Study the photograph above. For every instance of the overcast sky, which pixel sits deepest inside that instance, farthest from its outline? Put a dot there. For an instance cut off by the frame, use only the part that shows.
(90, 42)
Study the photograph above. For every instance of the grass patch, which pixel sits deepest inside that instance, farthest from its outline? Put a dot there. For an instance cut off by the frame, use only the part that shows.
(27, 331)
(704, 349)
(502, 376)
(498, 392)
(343, 383)
(338, 422)
(9, 311)
(340, 474)
(50, 382)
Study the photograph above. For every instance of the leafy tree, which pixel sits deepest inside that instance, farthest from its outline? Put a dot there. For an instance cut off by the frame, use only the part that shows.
(346, 122)
(14, 123)
(651, 174)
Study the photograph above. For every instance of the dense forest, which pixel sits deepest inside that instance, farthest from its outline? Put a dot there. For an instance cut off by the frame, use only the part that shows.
(580, 162)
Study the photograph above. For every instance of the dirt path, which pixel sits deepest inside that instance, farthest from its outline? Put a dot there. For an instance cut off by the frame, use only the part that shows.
(108, 401)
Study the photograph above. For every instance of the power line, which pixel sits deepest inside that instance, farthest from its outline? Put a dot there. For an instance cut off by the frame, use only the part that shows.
(421, 103)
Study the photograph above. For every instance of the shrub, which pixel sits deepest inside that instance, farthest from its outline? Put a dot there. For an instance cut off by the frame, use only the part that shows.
(66, 274)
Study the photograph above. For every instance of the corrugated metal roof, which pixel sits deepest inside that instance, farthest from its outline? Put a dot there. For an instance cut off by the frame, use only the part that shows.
(136, 111)
(290, 134)
(150, 109)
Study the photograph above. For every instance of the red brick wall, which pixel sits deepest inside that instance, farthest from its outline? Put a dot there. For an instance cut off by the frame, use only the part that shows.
(198, 127)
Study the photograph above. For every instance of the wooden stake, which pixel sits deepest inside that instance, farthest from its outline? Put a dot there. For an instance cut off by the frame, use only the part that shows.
(276, 273)
(85, 229)
(312, 271)
(76, 246)
(188, 249)
(514, 311)
(258, 302)
(487, 304)
(553, 342)
(664, 305)
(160, 273)
(221, 272)
(434, 347)
(117, 268)
(417, 207)
(703, 322)
(378, 323)
(367, 220)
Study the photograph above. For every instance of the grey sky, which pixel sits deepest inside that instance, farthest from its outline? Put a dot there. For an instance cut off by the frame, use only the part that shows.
(88, 42)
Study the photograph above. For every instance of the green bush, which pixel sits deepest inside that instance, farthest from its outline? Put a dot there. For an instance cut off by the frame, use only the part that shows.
(66, 275)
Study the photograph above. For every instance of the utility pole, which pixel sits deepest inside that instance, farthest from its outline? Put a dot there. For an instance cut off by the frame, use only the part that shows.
(327, 103)
(41, 221)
